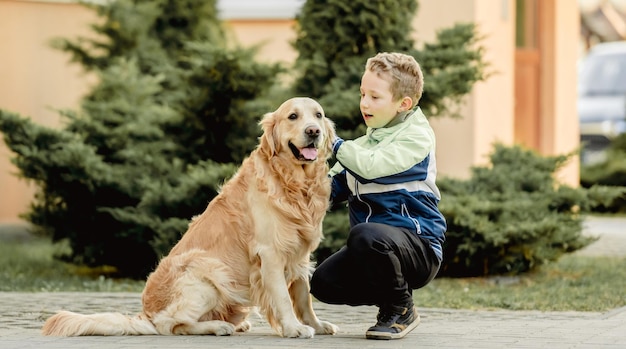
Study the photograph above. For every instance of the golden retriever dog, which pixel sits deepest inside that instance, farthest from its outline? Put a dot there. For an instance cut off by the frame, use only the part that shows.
(250, 249)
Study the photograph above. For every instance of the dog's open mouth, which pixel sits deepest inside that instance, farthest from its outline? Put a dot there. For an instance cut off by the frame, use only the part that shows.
(308, 153)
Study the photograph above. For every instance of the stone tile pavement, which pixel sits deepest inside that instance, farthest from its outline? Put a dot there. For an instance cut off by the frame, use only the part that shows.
(611, 232)
(22, 314)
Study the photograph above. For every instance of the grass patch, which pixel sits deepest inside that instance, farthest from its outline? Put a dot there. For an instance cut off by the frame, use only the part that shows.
(574, 283)
(27, 265)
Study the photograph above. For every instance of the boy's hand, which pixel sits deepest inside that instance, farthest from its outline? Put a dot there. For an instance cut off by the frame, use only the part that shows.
(337, 142)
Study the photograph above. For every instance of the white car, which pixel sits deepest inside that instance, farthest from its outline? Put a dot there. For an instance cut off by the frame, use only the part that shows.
(601, 99)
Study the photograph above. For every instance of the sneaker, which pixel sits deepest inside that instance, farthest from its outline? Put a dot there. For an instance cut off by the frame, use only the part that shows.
(393, 325)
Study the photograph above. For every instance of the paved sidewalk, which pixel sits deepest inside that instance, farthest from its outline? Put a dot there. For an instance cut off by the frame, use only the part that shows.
(611, 232)
(22, 315)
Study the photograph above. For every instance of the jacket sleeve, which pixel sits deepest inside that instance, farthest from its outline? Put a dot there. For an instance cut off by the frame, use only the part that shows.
(393, 155)
(339, 187)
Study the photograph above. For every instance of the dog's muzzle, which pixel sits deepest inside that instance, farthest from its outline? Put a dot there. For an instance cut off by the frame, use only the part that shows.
(308, 153)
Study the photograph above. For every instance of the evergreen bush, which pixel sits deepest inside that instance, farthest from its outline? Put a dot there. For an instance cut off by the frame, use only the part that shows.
(512, 216)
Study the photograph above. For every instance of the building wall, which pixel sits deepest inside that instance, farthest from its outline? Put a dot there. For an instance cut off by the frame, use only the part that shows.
(35, 79)
(274, 35)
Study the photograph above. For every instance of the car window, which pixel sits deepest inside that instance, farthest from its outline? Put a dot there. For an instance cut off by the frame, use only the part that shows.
(604, 75)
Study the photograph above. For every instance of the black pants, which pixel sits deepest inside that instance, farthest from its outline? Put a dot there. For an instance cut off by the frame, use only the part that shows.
(380, 265)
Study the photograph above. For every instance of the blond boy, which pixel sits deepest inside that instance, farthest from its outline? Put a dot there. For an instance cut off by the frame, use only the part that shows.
(388, 178)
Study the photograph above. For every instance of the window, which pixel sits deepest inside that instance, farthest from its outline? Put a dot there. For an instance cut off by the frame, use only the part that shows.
(526, 23)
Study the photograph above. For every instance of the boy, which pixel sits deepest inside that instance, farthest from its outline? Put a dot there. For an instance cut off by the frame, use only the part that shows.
(388, 178)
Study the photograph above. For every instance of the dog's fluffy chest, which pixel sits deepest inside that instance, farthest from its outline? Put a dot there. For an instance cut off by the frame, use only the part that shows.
(288, 211)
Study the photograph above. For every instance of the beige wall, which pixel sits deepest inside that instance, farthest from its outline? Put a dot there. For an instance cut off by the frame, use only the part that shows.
(274, 35)
(35, 78)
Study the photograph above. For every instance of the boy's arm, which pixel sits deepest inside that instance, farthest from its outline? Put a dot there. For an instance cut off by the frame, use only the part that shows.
(339, 187)
(395, 156)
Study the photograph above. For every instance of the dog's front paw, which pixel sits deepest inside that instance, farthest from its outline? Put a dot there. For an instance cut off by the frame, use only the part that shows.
(223, 329)
(244, 326)
(299, 331)
(325, 327)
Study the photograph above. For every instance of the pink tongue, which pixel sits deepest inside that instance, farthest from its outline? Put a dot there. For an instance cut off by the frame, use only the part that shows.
(309, 153)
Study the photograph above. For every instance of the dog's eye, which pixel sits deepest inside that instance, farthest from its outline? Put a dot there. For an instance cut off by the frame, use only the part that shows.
(319, 115)
(293, 116)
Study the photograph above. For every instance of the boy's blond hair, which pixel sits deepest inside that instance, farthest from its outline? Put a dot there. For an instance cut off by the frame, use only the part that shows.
(402, 71)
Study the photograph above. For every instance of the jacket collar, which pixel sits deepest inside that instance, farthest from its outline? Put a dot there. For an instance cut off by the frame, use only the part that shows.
(409, 116)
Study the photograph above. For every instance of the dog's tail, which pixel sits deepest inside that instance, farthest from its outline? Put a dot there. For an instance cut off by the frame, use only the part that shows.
(69, 324)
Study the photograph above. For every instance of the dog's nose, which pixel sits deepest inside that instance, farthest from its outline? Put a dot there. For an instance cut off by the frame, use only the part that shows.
(312, 131)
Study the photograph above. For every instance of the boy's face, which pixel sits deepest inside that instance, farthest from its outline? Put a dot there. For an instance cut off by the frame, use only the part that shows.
(377, 104)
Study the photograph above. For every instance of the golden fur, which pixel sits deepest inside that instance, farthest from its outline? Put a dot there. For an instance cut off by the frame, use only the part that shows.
(250, 248)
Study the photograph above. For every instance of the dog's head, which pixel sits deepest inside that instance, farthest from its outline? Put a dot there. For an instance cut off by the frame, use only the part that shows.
(297, 129)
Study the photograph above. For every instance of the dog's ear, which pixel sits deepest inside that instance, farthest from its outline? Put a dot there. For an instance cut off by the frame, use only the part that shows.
(267, 145)
(331, 134)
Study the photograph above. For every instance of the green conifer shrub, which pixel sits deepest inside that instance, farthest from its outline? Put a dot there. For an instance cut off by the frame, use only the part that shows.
(512, 216)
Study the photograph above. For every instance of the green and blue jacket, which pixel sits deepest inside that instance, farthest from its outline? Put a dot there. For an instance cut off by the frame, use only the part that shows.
(388, 176)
